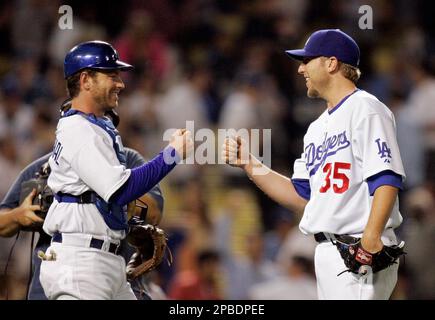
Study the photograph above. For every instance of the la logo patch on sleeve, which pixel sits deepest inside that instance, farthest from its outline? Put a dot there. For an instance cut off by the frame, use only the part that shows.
(384, 151)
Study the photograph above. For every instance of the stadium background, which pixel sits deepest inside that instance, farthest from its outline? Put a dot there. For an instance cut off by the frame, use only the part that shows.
(222, 64)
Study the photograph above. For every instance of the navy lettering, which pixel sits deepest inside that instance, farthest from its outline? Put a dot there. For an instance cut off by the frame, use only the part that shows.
(315, 156)
(56, 151)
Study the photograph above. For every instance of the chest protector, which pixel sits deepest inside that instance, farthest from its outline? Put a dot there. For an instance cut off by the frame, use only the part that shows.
(114, 215)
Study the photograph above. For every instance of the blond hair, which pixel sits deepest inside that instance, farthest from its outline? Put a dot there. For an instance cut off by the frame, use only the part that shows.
(350, 72)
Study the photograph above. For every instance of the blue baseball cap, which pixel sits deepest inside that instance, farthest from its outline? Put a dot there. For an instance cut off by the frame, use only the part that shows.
(328, 43)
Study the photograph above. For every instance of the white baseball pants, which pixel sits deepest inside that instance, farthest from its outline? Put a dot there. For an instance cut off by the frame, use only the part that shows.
(80, 272)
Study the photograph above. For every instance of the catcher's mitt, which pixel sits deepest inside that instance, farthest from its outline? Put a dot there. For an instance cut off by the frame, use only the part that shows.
(356, 258)
(150, 243)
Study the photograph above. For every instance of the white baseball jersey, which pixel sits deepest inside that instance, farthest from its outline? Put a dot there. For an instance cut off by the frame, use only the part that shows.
(342, 148)
(83, 159)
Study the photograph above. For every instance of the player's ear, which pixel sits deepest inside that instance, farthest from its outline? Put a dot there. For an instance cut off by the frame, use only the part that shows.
(332, 64)
(85, 80)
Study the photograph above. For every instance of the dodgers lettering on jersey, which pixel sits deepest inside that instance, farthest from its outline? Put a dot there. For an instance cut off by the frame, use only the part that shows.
(84, 158)
(342, 149)
(316, 155)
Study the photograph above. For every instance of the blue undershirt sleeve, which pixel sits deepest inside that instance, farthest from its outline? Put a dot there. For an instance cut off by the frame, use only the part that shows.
(386, 177)
(144, 178)
(302, 187)
(134, 160)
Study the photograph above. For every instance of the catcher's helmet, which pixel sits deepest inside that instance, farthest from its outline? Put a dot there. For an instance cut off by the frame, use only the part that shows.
(94, 55)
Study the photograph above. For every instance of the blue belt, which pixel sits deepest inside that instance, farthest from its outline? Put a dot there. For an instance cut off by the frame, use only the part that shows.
(95, 243)
(86, 197)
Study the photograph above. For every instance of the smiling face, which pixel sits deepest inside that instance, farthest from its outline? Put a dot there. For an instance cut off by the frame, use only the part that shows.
(105, 88)
(315, 72)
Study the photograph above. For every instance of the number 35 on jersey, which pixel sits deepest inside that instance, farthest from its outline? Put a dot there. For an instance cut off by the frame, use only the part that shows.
(336, 177)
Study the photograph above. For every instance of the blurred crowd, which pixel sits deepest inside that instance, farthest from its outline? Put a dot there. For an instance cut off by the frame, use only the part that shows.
(221, 64)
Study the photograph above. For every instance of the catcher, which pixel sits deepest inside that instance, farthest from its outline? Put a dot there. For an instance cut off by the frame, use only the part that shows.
(28, 199)
(27, 202)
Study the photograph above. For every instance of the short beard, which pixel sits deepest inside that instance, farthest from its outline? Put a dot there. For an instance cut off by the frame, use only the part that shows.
(103, 102)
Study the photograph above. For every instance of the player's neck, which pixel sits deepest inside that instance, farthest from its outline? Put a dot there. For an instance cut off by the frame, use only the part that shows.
(87, 105)
(337, 92)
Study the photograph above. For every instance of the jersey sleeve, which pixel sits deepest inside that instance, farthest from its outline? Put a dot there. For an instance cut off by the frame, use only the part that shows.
(383, 178)
(301, 178)
(376, 144)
